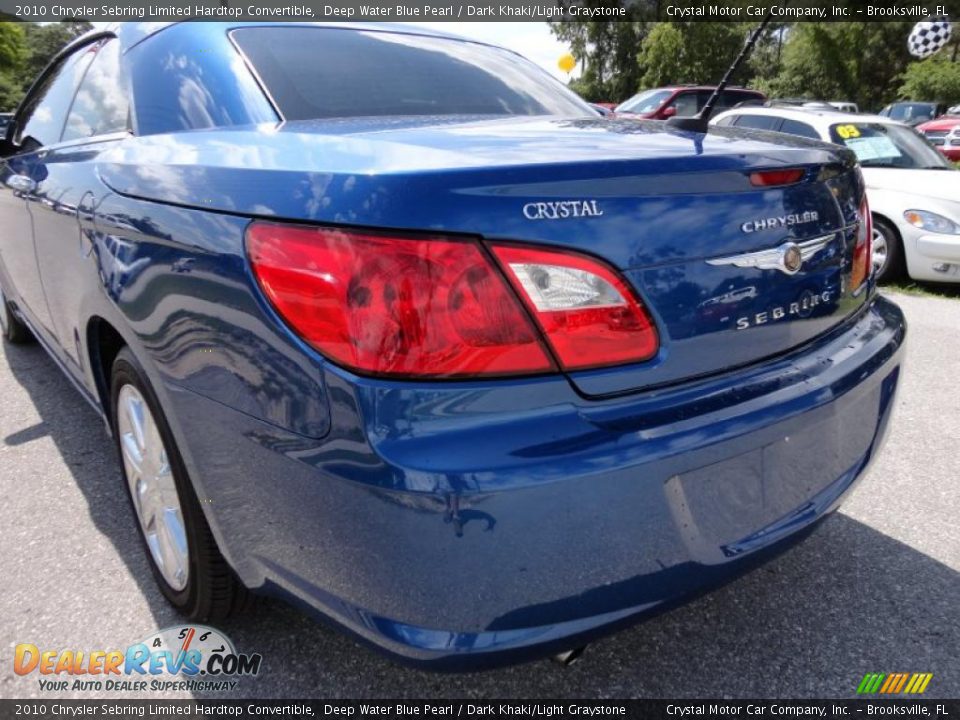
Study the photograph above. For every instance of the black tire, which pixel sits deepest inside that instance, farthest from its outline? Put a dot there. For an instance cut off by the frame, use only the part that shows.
(895, 266)
(14, 330)
(212, 592)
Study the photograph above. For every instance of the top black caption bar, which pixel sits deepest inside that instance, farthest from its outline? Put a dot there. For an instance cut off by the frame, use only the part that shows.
(459, 11)
(118, 709)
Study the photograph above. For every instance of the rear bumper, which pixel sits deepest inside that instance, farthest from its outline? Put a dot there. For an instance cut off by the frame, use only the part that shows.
(464, 524)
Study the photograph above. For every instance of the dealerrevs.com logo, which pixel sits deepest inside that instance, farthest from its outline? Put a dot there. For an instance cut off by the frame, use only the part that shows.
(185, 658)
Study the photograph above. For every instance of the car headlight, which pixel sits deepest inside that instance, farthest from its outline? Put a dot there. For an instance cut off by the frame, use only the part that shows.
(931, 222)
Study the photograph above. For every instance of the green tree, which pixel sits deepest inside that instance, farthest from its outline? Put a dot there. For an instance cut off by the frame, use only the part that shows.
(861, 62)
(13, 47)
(25, 50)
(10, 93)
(606, 52)
(766, 61)
(691, 52)
(13, 53)
(45, 41)
(866, 62)
(619, 59)
(937, 78)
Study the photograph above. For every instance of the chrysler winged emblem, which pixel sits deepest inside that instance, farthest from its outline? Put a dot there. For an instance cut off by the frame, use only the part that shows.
(788, 258)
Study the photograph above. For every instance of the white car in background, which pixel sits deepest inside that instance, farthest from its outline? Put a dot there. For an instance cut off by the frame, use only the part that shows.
(913, 191)
(844, 106)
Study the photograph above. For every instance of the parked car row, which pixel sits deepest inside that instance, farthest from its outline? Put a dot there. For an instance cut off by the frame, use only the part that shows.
(841, 105)
(914, 113)
(916, 229)
(687, 100)
(914, 193)
(682, 101)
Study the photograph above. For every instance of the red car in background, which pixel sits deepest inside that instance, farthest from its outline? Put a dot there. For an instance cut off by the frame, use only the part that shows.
(683, 101)
(944, 134)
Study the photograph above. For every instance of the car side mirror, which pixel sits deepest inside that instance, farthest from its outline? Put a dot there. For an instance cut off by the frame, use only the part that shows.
(669, 112)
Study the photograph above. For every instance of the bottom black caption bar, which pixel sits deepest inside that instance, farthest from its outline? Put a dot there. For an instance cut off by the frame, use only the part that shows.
(398, 709)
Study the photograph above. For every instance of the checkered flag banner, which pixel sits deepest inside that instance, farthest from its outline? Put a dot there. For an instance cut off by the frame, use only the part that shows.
(928, 37)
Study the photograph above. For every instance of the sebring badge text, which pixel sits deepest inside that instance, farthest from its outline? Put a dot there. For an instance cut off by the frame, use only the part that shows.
(561, 210)
(803, 307)
(781, 221)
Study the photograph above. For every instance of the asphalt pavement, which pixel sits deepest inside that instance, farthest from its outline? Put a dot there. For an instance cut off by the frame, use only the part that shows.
(875, 589)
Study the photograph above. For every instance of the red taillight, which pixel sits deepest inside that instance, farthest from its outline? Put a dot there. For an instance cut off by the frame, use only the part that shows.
(773, 178)
(438, 307)
(426, 307)
(862, 252)
(589, 315)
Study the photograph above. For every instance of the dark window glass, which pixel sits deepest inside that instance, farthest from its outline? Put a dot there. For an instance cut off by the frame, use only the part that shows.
(728, 120)
(688, 104)
(645, 102)
(692, 102)
(328, 72)
(912, 113)
(729, 98)
(42, 118)
(795, 127)
(101, 103)
(758, 122)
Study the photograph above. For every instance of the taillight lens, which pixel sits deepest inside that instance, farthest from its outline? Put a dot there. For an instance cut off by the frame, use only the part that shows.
(587, 312)
(774, 178)
(862, 252)
(396, 306)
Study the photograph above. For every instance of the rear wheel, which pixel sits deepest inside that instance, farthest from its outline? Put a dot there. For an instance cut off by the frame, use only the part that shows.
(13, 328)
(183, 555)
(887, 251)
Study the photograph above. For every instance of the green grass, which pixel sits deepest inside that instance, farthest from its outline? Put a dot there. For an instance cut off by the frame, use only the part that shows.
(924, 289)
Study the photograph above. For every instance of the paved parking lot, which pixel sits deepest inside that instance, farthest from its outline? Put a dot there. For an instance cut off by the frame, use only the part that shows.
(875, 589)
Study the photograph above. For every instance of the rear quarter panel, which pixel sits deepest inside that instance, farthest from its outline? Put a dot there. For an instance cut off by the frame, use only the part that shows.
(179, 281)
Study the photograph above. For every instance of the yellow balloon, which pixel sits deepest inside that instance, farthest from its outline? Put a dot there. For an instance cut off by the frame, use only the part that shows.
(567, 62)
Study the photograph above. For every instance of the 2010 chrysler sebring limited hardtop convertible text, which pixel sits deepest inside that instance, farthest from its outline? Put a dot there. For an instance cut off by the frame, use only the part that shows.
(393, 325)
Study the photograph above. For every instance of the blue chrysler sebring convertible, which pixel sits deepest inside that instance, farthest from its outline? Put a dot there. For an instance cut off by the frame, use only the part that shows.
(393, 325)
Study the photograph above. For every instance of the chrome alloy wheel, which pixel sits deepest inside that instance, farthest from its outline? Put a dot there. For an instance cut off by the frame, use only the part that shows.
(879, 251)
(150, 477)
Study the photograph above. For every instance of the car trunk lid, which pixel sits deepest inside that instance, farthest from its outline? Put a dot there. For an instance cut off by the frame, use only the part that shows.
(674, 212)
